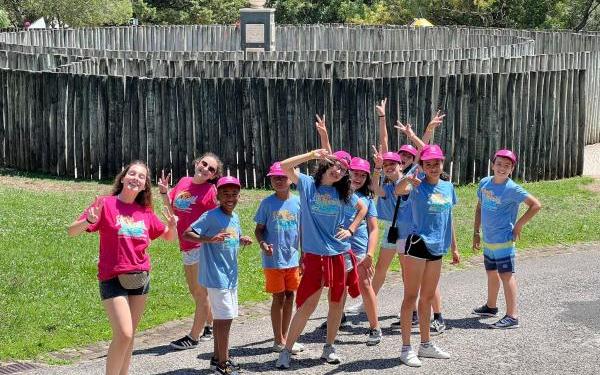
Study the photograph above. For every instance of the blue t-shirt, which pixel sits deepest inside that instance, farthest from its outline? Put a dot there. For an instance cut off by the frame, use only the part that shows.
(360, 239)
(321, 216)
(499, 208)
(432, 214)
(387, 203)
(280, 218)
(219, 261)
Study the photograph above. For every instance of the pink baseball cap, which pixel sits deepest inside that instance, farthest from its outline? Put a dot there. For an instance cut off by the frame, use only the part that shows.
(276, 170)
(343, 157)
(358, 164)
(392, 156)
(432, 152)
(408, 149)
(228, 180)
(504, 153)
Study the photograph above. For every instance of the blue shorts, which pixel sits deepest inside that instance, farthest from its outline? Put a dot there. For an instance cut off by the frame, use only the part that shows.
(499, 257)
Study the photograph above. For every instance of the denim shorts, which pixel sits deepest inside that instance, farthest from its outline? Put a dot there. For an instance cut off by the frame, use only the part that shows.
(112, 288)
(191, 257)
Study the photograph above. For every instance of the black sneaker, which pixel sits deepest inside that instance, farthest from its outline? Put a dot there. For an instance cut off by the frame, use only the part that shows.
(186, 342)
(343, 323)
(507, 322)
(437, 327)
(415, 319)
(207, 334)
(228, 370)
(485, 311)
(214, 364)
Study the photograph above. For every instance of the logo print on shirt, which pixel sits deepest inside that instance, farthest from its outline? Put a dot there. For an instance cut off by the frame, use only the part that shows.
(131, 228)
(438, 203)
(324, 204)
(285, 220)
(184, 201)
(490, 200)
(233, 240)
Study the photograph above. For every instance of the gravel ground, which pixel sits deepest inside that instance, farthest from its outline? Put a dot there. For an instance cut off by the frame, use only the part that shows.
(559, 333)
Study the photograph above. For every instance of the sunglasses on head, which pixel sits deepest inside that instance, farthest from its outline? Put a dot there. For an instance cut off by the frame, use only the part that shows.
(205, 165)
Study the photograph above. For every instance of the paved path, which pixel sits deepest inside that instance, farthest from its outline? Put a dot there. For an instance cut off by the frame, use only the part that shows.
(560, 333)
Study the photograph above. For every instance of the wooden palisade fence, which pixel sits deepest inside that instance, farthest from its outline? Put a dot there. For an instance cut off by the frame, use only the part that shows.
(84, 102)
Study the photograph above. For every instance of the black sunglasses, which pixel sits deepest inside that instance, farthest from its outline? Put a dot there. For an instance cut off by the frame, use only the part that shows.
(205, 165)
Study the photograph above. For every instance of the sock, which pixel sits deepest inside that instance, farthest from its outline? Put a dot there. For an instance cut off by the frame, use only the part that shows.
(415, 315)
(425, 344)
(438, 316)
(406, 348)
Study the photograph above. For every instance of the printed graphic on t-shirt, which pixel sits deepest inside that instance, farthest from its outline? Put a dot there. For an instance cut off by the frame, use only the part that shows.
(130, 227)
(490, 201)
(285, 220)
(439, 203)
(233, 240)
(324, 204)
(184, 201)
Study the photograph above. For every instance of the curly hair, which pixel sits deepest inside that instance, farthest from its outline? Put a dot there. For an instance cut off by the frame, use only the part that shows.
(144, 197)
(342, 186)
(219, 173)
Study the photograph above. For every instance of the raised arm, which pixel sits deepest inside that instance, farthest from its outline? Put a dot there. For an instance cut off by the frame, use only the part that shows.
(163, 189)
(377, 181)
(323, 135)
(383, 135)
(289, 165)
(410, 134)
(435, 122)
(92, 217)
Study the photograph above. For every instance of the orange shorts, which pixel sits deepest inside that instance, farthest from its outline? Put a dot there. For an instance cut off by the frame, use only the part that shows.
(279, 280)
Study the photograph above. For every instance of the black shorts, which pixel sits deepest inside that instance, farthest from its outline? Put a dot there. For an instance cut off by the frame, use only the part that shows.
(415, 247)
(112, 288)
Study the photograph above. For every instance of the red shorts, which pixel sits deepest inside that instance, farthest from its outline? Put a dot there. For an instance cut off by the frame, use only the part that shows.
(327, 271)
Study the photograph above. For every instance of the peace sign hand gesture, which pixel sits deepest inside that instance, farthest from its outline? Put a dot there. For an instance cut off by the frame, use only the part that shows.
(377, 157)
(171, 218)
(320, 125)
(381, 108)
(163, 182)
(436, 120)
(93, 214)
(406, 129)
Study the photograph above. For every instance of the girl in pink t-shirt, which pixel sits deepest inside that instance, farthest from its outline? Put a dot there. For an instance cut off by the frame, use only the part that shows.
(188, 200)
(127, 224)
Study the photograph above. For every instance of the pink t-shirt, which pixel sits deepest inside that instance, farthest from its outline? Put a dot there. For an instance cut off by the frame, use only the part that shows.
(190, 201)
(126, 230)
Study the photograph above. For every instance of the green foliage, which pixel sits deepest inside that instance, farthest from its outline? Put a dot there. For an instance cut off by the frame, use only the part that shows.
(194, 11)
(4, 19)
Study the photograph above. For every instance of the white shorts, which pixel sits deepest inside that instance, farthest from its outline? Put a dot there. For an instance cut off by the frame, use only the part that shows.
(348, 261)
(401, 245)
(223, 303)
(191, 257)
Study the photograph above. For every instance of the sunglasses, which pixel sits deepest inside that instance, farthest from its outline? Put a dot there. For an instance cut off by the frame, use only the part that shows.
(339, 166)
(205, 165)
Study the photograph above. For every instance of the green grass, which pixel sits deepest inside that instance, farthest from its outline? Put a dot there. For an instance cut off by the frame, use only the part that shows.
(49, 293)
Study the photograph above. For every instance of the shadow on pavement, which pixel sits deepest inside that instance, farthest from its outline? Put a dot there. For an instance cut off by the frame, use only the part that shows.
(362, 365)
(157, 350)
(471, 322)
(186, 371)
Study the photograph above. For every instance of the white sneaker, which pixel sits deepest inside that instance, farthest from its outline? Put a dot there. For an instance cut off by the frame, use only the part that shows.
(284, 359)
(356, 309)
(409, 358)
(296, 348)
(432, 351)
(330, 355)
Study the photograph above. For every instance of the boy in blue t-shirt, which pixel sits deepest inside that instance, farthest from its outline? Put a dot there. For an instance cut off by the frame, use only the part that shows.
(221, 235)
(277, 222)
(496, 214)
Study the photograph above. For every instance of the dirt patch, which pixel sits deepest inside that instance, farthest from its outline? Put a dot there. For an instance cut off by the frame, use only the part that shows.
(594, 186)
(48, 185)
